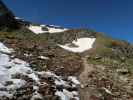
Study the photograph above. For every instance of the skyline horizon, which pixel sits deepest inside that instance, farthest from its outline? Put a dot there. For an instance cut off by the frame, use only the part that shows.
(115, 24)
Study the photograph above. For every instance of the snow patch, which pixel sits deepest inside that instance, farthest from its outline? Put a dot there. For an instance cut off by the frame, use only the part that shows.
(62, 95)
(39, 29)
(10, 81)
(63, 84)
(74, 80)
(4, 49)
(82, 44)
(54, 30)
(36, 29)
(18, 18)
(36, 96)
(43, 58)
(67, 95)
(9, 68)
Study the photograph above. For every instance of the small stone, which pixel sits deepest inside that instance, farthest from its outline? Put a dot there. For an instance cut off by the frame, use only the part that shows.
(82, 86)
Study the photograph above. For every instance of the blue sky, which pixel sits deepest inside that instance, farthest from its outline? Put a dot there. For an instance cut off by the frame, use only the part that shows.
(113, 17)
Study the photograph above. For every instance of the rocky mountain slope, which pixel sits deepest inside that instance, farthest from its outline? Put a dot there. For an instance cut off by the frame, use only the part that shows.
(48, 62)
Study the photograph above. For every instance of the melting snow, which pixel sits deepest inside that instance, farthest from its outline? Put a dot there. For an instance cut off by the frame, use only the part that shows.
(62, 95)
(67, 95)
(74, 80)
(43, 58)
(55, 30)
(4, 49)
(82, 44)
(38, 29)
(71, 82)
(11, 67)
(8, 68)
(36, 96)
(17, 18)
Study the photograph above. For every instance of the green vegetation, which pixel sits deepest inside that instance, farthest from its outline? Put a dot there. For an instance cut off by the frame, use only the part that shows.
(111, 53)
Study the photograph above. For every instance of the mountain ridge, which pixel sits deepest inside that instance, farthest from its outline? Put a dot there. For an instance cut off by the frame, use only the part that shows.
(48, 62)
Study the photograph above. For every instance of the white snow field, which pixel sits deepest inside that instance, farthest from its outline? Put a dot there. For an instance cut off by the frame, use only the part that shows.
(10, 67)
(38, 29)
(82, 44)
(4, 49)
(58, 80)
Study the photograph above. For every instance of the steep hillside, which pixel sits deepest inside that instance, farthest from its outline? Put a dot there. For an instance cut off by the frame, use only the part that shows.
(48, 62)
(108, 70)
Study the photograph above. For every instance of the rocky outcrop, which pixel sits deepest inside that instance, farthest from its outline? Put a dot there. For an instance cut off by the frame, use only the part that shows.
(51, 72)
(7, 17)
